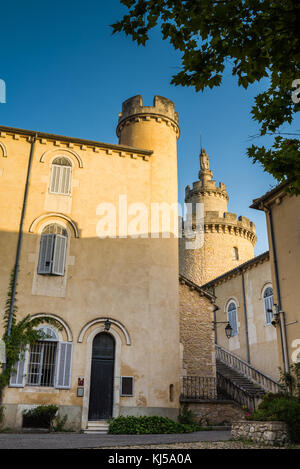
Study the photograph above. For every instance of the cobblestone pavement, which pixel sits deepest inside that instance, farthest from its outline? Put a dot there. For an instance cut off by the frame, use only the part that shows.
(81, 440)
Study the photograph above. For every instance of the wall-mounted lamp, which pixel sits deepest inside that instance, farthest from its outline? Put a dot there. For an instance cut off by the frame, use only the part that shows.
(228, 328)
(107, 324)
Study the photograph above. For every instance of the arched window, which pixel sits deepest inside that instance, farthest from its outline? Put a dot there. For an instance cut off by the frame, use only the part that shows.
(48, 362)
(232, 317)
(235, 253)
(42, 359)
(268, 304)
(60, 181)
(53, 246)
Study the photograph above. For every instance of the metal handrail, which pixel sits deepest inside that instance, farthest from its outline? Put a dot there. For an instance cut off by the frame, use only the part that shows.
(249, 371)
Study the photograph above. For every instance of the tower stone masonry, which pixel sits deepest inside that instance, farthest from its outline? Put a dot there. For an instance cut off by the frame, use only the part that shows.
(228, 240)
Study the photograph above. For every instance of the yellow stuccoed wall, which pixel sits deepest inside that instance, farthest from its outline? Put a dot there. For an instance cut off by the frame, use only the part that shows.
(132, 281)
(262, 337)
(286, 232)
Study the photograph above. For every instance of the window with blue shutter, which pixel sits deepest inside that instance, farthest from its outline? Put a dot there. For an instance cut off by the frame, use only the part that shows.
(52, 250)
(268, 304)
(49, 363)
(64, 365)
(17, 377)
(232, 317)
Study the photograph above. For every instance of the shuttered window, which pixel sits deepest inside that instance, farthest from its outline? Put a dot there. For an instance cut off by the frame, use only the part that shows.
(268, 303)
(53, 250)
(232, 317)
(60, 181)
(17, 377)
(49, 363)
(64, 367)
(42, 363)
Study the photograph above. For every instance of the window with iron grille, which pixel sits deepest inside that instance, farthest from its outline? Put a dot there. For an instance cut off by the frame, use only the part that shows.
(47, 362)
(42, 360)
(60, 181)
(52, 250)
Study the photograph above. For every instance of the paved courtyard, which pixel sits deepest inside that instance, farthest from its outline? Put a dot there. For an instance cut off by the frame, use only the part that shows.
(81, 440)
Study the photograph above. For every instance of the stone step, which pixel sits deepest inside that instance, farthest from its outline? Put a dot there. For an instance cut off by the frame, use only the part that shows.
(240, 380)
(100, 426)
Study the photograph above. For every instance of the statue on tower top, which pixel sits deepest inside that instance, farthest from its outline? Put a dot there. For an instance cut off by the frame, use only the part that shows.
(204, 160)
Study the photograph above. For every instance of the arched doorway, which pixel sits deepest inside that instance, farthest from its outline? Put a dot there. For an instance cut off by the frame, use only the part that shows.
(102, 377)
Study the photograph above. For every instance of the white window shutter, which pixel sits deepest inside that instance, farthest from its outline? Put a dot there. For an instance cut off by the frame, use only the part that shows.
(17, 378)
(46, 251)
(54, 180)
(59, 255)
(64, 365)
(65, 180)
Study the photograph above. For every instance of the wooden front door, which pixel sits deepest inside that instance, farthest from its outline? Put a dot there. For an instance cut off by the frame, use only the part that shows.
(102, 377)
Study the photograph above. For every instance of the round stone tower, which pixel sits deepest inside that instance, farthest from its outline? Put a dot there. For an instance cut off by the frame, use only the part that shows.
(227, 242)
(153, 128)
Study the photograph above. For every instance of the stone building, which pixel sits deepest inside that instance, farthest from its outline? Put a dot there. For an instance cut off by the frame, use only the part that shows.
(114, 292)
(96, 255)
(244, 296)
(283, 223)
(223, 264)
(228, 240)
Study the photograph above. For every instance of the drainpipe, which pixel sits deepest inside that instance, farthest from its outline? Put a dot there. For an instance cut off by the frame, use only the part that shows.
(279, 305)
(245, 317)
(20, 237)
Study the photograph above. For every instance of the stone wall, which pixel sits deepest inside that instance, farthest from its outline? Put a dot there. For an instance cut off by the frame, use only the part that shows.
(215, 412)
(272, 433)
(196, 333)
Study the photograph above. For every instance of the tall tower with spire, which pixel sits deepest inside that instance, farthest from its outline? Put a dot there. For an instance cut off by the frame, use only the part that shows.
(228, 240)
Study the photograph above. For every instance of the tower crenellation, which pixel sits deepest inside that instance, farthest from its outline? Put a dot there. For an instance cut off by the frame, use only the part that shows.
(162, 111)
(228, 240)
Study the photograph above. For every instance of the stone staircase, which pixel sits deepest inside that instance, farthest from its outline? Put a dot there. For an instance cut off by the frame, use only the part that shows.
(240, 381)
(100, 426)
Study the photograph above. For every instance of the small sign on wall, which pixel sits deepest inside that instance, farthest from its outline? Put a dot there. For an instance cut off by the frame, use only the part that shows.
(81, 382)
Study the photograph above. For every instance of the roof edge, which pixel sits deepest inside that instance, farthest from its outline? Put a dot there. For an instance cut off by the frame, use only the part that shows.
(201, 290)
(261, 257)
(257, 203)
(81, 141)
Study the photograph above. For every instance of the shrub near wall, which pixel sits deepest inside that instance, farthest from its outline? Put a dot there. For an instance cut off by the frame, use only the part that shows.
(276, 413)
(131, 425)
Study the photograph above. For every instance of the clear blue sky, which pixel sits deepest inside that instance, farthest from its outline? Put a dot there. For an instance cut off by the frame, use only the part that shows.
(66, 73)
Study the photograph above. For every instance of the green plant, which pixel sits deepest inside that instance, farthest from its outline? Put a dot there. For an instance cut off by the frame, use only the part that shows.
(254, 41)
(186, 415)
(290, 381)
(280, 407)
(22, 333)
(131, 425)
(40, 417)
(59, 423)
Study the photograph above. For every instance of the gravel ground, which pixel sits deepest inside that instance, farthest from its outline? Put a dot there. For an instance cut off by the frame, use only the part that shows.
(206, 445)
